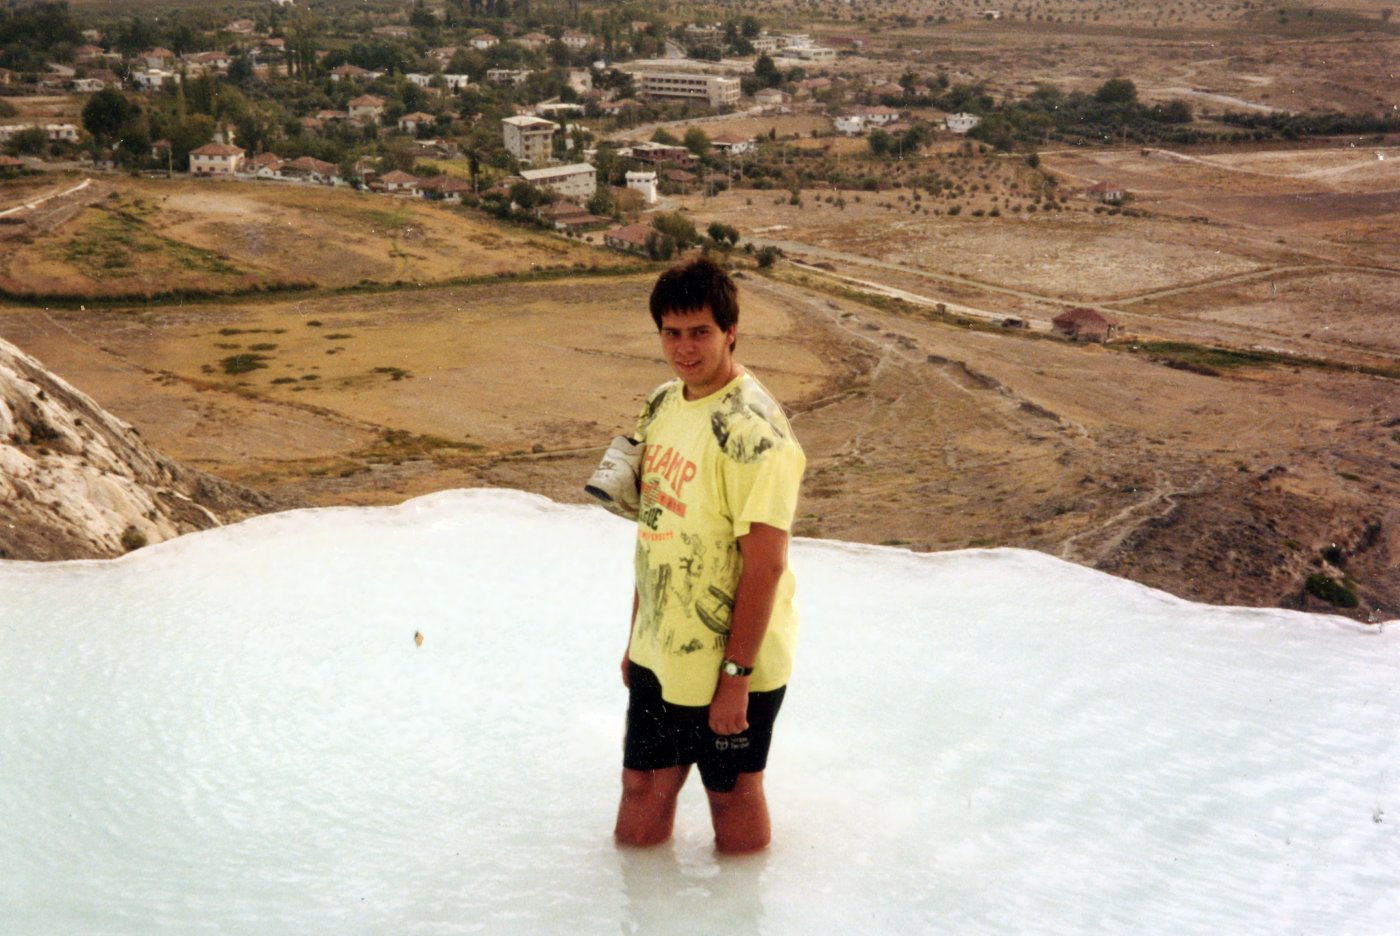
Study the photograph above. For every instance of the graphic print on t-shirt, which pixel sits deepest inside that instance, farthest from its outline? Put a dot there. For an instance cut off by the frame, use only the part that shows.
(711, 469)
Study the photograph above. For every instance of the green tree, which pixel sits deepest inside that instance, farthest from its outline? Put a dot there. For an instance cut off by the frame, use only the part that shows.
(678, 227)
(697, 141)
(766, 72)
(190, 134)
(31, 141)
(105, 113)
(660, 246)
(1117, 91)
(722, 233)
(602, 202)
(134, 141)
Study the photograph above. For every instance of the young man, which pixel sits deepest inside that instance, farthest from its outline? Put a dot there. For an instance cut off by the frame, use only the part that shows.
(713, 622)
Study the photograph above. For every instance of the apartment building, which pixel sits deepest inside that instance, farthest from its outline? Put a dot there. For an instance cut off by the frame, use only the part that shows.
(578, 180)
(529, 139)
(716, 90)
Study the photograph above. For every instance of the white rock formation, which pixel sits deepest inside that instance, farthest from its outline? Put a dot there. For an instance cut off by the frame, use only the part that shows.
(76, 482)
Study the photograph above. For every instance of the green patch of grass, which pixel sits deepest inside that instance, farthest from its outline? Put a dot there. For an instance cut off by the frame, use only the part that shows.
(396, 445)
(337, 336)
(118, 241)
(284, 380)
(263, 346)
(243, 363)
(397, 373)
(1205, 358)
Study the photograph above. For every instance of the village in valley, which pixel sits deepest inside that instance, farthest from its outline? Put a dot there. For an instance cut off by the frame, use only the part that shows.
(1112, 280)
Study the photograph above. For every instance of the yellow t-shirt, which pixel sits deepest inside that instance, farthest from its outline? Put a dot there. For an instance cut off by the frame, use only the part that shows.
(712, 467)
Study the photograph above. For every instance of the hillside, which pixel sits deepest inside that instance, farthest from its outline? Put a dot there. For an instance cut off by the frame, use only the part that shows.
(76, 482)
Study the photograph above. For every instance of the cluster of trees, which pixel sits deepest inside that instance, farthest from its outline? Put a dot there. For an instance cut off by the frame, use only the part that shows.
(1112, 113)
(1296, 126)
(37, 33)
(906, 143)
(736, 38)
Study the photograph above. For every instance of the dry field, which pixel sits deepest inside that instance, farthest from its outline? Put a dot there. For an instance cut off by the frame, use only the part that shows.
(1226, 483)
(1294, 250)
(1217, 54)
(136, 238)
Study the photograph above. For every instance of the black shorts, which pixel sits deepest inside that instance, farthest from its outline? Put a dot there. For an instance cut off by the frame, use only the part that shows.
(661, 734)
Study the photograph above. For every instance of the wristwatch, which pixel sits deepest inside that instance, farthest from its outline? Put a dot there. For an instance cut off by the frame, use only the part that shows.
(730, 668)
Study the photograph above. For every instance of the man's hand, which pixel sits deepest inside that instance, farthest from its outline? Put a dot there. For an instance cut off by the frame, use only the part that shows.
(729, 709)
(626, 662)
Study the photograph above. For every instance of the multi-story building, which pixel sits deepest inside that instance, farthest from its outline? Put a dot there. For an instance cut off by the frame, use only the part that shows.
(216, 159)
(578, 180)
(529, 139)
(718, 91)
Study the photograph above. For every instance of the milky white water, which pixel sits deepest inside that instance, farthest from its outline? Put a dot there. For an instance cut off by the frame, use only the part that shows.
(235, 732)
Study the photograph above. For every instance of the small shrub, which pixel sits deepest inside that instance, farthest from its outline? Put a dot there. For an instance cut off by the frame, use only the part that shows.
(243, 363)
(133, 539)
(1331, 591)
(337, 336)
(262, 346)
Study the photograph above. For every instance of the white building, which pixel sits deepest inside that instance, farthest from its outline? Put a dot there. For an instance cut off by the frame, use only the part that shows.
(419, 79)
(576, 41)
(216, 159)
(644, 182)
(149, 79)
(961, 123)
(578, 180)
(850, 124)
(529, 139)
(771, 97)
(457, 82)
(507, 76)
(367, 107)
(57, 133)
(732, 143)
(717, 90)
(558, 109)
(810, 53)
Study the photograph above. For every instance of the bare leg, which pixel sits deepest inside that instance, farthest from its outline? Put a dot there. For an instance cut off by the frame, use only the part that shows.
(647, 812)
(740, 816)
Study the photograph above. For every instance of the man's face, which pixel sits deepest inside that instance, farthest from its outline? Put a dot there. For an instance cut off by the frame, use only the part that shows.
(698, 350)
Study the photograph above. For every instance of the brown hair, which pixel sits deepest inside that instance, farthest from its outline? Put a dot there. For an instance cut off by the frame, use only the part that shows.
(698, 284)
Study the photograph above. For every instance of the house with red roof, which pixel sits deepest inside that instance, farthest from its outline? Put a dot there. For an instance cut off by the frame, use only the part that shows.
(1083, 324)
(631, 238)
(216, 159)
